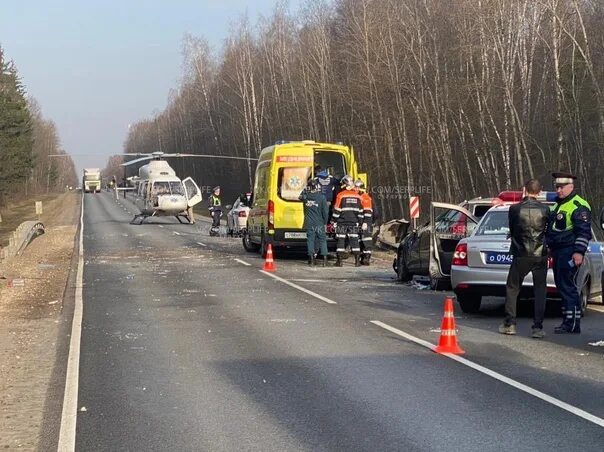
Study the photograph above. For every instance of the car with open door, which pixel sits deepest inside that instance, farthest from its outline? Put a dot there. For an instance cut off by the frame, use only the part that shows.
(428, 250)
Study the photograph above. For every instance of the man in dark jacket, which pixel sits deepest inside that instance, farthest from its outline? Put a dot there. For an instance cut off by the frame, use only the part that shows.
(316, 213)
(528, 222)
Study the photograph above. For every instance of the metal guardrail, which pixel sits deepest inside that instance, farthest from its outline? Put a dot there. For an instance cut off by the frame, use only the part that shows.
(22, 236)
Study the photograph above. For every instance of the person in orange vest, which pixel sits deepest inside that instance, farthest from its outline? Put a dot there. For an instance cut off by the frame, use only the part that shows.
(348, 215)
(366, 233)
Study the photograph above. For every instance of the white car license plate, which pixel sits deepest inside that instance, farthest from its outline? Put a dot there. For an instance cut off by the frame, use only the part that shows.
(295, 235)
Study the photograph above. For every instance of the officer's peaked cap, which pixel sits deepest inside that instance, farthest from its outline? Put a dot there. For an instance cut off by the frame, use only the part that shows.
(562, 178)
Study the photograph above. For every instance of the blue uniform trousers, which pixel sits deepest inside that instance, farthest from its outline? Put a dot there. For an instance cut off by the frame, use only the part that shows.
(565, 277)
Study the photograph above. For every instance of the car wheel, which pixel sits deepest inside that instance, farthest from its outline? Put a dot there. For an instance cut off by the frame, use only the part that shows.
(584, 296)
(469, 303)
(249, 246)
(401, 269)
(439, 284)
(263, 246)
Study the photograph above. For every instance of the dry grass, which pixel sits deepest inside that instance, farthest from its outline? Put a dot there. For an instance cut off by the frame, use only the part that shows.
(15, 214)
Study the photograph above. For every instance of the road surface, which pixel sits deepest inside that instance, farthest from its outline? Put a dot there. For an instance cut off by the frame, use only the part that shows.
(187, 345)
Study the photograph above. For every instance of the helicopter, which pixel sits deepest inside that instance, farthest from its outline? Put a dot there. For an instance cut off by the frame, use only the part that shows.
(159, 192)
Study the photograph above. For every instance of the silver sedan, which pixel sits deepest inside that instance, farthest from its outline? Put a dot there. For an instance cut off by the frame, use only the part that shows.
(481, 263)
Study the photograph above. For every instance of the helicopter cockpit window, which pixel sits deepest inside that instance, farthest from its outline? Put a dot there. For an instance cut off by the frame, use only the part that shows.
(176, 188)
(161, 188)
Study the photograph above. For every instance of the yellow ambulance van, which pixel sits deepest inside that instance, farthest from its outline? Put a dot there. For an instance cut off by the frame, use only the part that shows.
(283, 169)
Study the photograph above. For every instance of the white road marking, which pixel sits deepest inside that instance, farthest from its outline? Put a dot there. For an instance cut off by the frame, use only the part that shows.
(202, 244)
(67, 433)
(491, 373)
(160, 226)
(243, 262)
(599, 308)
(310, 280)
(295, 286)
(176, 233)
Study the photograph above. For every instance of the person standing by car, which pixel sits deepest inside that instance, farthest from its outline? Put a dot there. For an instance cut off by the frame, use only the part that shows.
(348, 214)
(316, 214)
(528, 222)
(568, 236)
(366, 233)
(215, 208)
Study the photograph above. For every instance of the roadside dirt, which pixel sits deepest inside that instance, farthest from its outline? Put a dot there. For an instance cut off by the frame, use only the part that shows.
(29, 322)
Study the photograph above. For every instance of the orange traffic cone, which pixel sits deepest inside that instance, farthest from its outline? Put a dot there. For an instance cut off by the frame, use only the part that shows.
(448, 339)
(269, 263)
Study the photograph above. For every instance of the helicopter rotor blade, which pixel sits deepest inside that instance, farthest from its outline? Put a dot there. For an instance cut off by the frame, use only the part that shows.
(210, 156)
(132, 162)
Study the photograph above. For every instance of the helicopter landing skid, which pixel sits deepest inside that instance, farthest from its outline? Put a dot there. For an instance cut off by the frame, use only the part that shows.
(141, 219)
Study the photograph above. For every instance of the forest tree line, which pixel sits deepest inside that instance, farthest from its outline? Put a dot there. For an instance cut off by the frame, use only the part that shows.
(450, 99)
(27, 140)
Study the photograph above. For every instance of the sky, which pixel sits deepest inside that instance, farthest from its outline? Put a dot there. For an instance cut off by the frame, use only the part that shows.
(95, 66)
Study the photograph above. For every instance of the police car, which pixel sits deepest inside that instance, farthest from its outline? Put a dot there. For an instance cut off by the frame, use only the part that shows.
(481, 263)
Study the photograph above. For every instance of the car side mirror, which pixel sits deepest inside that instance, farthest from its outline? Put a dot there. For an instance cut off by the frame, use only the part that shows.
(602, 218)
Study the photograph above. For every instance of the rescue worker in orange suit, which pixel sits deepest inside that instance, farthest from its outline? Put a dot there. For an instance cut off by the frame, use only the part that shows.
(366, 233)
(348, 215)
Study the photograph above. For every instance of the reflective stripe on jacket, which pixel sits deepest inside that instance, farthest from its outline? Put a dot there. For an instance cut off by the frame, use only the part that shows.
(348, 208)
(570, 224)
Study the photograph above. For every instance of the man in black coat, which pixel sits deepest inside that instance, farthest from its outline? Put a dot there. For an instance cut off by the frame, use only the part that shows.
(528, 222)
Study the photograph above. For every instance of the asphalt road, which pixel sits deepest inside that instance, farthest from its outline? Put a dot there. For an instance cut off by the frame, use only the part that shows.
(187, 345)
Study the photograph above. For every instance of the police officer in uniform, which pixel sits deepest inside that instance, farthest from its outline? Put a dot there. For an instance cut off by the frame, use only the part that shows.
(568, 236)
(348, 215)
(316, 214)
(215, 208)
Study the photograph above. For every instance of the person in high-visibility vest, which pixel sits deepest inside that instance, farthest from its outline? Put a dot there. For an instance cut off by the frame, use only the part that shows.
(568, 237)
(215, 208)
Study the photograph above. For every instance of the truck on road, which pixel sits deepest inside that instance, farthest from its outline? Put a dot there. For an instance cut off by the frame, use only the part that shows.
(92, 180)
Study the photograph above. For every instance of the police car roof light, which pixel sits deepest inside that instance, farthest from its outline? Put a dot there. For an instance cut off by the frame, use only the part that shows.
(516, 196)
(510, 196)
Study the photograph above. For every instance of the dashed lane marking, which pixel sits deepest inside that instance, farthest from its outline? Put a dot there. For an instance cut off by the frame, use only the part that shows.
(491, 373)
(202, 244)
(243, 262)
(300, 288)
(310, 280)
